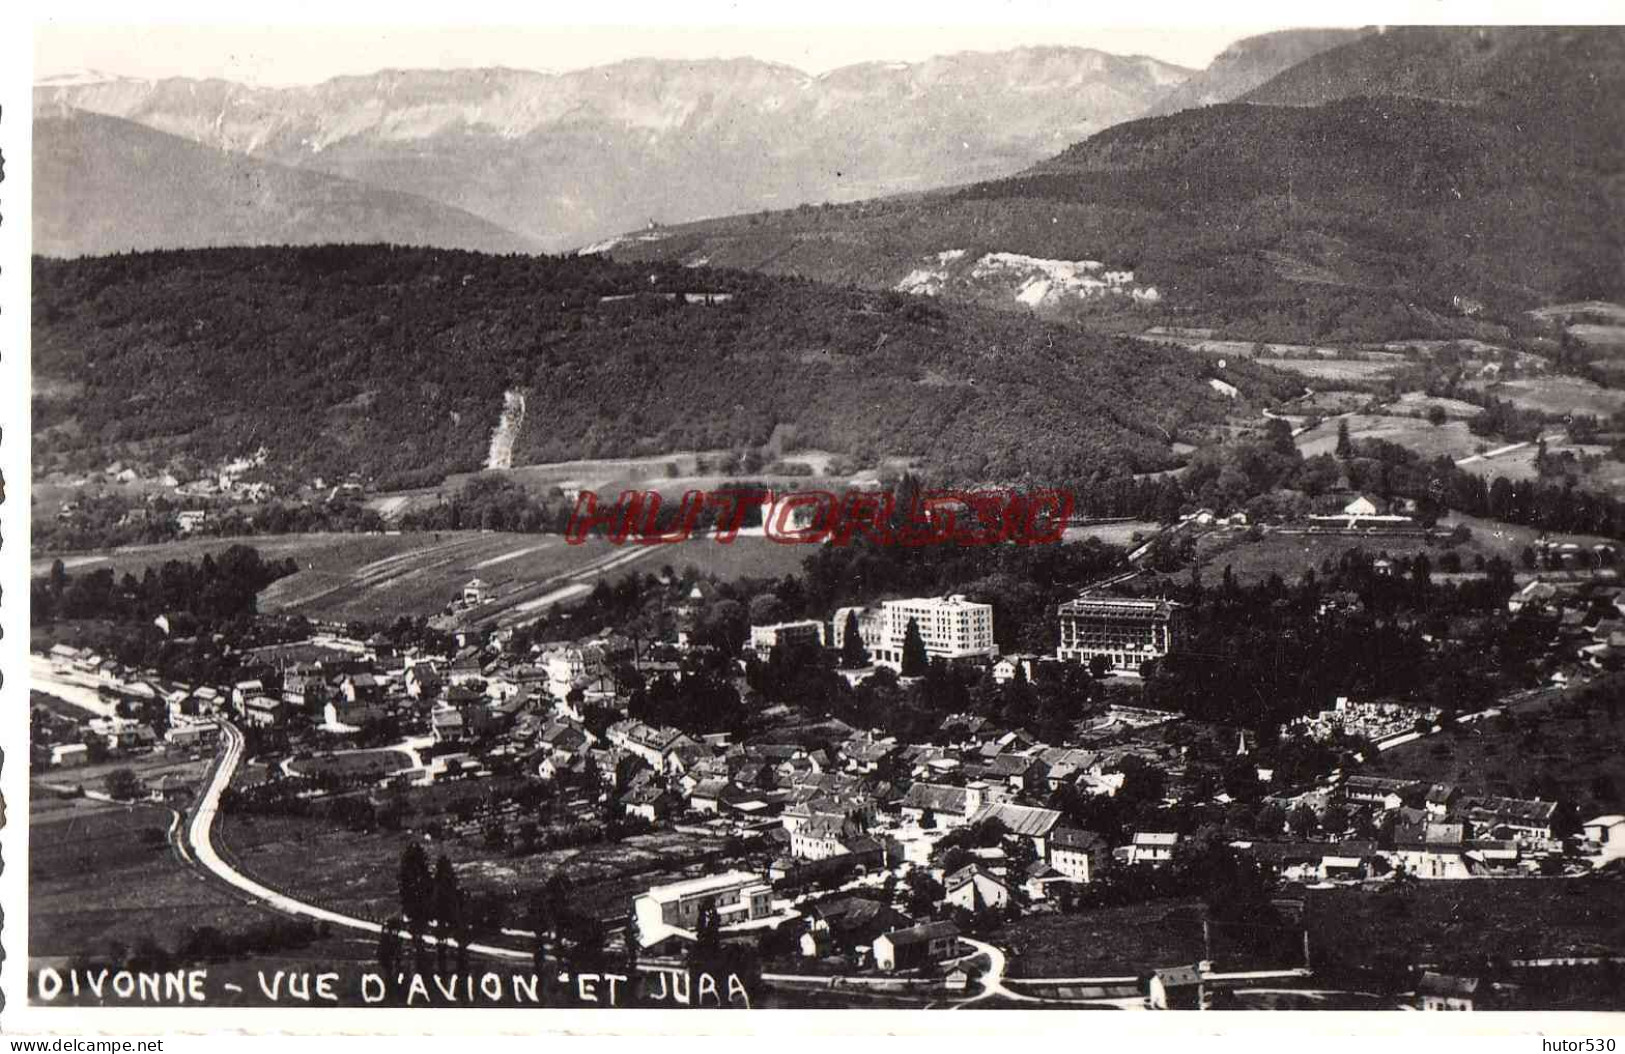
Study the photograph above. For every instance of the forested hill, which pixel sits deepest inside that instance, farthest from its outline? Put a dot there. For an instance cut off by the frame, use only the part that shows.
(1421, 199)
(392, 363)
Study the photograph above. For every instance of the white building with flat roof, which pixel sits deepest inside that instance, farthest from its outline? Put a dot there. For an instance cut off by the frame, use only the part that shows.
(803, 632)
(951, 627)
(738, 896)
(1125, 631)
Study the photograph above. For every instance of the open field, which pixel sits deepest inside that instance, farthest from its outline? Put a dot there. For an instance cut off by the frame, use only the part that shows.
(1339, 371)
(382, 576)
(1451, 438)
(1592, 308)
(669, 473)
(1289, 555)
(174, 769)
(1110, 942)
(102, 873)
(354, 872)
(1558, 395)
(378, 763)
(317, 549)
(1610, 338)
(1418, 404)
(1120, 534)
(1608, 477)
(1494, 538)
(1327, 403)
(1435, 922)
(1569, 751)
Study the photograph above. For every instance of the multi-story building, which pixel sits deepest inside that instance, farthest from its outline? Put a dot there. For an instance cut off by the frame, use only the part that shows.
(871, 628)
(656, 746)
(952, 628)
(1123, 630)
(763, 639)
(738, 896)
(1077, 854)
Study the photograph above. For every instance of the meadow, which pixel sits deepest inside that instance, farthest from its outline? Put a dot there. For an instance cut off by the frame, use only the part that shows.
(355, 872)
(101, 874)
(345, 577)
(1467, 921)
(1558, 395)
(1110, 942)
(1451, 439)
(1339, 371)
(1289, 555)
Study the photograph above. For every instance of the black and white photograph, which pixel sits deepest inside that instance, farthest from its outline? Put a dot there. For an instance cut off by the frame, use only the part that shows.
(917, 513)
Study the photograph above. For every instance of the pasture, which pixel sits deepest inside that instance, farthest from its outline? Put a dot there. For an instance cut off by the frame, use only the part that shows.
(347, 577)
(1558, 396)
(376, 763)
(1289, 555)
(102, 874)
(1328, 402)
(1340, 371)
(1451, 439)
(1110, 942)
(356, 872)
(1119, 534)
(1420, 404)
(1609, 338)
(1469, 920)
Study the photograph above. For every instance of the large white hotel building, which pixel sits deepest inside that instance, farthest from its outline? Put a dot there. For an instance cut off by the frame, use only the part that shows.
(952, 628)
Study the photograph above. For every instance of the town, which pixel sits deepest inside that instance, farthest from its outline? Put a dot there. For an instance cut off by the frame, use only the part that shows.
(700, 780)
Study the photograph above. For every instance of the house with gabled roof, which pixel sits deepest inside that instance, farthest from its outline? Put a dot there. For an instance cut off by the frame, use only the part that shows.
(973, 887)
(707, 795)
(1152, 847)
(847, 922)
(447, 725)
(1432, 850)
(1528, 819)
(649, 801)
(916, 946)
(949, 806)
(1021, 821)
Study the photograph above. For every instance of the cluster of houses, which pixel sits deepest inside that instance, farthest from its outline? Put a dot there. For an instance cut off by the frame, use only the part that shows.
(1441, 832)
(1588, 615)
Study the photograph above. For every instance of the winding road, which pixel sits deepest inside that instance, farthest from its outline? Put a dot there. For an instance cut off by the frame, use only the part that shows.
(199, 844)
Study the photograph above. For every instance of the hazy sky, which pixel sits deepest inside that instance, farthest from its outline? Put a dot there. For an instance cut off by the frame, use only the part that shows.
(312, 40)
(273, 55)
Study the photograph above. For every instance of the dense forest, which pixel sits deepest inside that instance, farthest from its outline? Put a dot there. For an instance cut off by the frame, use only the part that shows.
(211, 589)
(1292, 217)
(392, 363)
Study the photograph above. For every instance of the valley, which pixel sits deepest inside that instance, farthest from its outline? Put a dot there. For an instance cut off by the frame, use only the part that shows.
(1310, 699)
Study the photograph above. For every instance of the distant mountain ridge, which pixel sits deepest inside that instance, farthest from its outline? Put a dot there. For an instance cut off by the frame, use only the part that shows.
(570, 158)
(1248, 64)
(103, 185)
(1552, 68)
(1488, 166)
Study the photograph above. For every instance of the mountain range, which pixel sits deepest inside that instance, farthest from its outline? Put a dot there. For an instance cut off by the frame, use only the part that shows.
(1250, 63)
(1355, 195)
(103, 184)
(569, 158)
